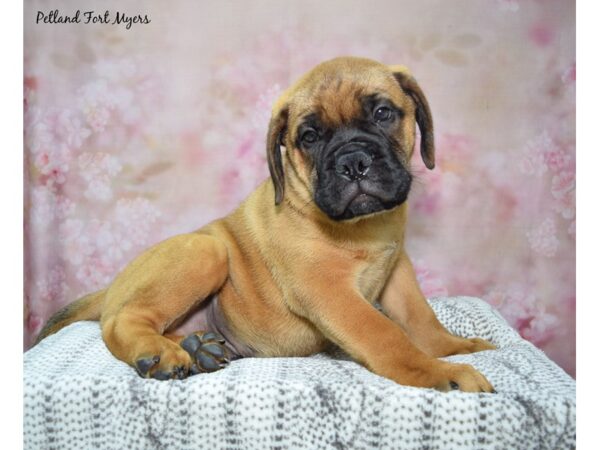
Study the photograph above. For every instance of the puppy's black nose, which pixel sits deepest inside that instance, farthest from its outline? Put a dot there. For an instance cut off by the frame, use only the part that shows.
(353, 165)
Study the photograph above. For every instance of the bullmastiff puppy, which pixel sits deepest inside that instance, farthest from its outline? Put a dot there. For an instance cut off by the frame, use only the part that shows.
(298, 265)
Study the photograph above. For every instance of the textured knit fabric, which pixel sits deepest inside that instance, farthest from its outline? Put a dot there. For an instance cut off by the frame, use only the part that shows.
(78, 396)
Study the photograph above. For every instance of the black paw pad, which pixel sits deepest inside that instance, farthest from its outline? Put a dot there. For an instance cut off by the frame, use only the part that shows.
(215, 350)
(454, 385)
(207, 362)
(145, 364)
(207, 351)
(191, 343)
(161, 375)
(211, 336)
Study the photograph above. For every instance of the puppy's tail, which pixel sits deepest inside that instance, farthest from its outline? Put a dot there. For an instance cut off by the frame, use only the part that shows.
(86, 308)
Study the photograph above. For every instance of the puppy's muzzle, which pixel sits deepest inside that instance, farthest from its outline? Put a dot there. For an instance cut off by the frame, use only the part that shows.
(359, 175)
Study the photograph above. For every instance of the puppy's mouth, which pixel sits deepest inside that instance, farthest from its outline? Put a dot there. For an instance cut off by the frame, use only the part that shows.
(359, 195)
(361, 198)
(363, 204)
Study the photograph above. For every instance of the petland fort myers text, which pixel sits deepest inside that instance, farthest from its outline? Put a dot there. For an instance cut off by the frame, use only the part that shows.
(92, 17)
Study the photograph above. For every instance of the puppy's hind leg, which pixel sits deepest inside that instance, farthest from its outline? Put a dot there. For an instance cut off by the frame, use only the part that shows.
(155, 290)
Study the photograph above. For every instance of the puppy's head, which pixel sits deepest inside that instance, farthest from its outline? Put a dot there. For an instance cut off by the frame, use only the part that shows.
(348, 127)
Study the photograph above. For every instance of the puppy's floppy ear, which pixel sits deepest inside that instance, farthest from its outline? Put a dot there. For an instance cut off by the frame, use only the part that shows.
(275, 138)
(422, 113)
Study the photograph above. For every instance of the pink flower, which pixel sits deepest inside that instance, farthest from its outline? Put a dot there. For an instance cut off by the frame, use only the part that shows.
(99, 248)
(64, 207)
(99, 189)
(49, 136)
(534, 160)
(53, 163)
(53, 286)
(38, 131)
(97, 169)
(96, 103)
(78, 244)
(139, 214)
(46, 206)
(523, 310)
(563, 184)
(97, 117)
(543, 239)
(96, 249)
(563, 190)
(566, 206)
(69, 129)
(111, 242)
(557, 159)
(94, 274)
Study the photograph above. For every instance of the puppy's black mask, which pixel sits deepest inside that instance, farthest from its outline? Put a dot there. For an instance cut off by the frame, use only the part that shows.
(359, 165)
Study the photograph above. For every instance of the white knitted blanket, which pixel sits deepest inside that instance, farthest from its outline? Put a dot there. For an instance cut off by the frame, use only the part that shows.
(78, 396)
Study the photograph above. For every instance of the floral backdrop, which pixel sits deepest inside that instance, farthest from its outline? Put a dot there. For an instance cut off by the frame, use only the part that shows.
(135, 134)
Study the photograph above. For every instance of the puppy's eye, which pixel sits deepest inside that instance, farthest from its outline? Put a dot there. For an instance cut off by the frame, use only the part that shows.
(382, 114)
(310, 137)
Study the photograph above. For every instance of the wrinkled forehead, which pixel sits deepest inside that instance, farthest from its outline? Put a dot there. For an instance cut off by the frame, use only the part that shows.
(337, 98)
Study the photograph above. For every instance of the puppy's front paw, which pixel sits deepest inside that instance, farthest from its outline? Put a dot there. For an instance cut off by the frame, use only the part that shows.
(462, 377)
(440, 375)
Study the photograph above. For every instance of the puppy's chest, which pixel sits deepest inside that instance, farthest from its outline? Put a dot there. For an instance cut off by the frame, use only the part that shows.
(373, 268)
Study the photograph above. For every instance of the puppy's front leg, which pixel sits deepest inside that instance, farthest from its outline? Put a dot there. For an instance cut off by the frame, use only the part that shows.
(348, 320)
(403, 301)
